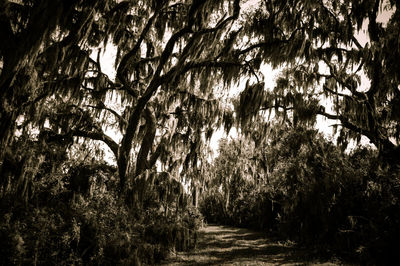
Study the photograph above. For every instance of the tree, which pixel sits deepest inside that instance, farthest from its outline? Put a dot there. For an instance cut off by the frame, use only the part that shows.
(168, 62)
(316, 43)
(41, 53)
(171, 58)
(44, 55)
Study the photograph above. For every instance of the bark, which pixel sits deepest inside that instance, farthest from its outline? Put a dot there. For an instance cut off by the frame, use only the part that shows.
(147, 142)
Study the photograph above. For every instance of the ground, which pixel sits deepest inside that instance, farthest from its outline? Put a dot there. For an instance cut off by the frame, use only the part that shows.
(223, 245)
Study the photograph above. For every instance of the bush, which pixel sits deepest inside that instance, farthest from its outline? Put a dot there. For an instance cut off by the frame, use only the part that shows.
(58, 227)
(85, 231)
(339, 204)
(212, 207)
(255, 209)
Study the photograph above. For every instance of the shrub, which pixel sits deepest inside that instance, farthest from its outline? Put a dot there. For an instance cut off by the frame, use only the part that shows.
(212, 207)
(339, 204)
(58, 227)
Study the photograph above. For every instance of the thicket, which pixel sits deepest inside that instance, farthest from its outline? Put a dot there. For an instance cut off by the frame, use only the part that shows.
(73, 216)
(339, 204)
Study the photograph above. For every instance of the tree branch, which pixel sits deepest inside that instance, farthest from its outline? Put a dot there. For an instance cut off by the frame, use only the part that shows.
(102, 106)
(155, 155)
(157, 80)
(265, 45)
(371, 135)
(334, 75)
(336, 93)
(265, 108)
(132, 53)
(6, 32)
(154, 84)
(79, 130)
(97, 136)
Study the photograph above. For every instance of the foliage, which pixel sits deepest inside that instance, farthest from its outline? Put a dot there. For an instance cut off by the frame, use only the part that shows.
(174, 61)
(64, 232)
(212, 206)
(57, 104)
(313, 193)
(325, 63)
(75, 217)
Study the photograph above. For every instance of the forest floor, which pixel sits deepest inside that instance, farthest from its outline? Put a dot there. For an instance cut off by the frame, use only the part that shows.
(223, 245)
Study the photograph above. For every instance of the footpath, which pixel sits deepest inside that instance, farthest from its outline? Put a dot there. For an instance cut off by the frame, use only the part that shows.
(223, 245)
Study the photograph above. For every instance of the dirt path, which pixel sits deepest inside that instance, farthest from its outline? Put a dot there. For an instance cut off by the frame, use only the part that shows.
(223, 245)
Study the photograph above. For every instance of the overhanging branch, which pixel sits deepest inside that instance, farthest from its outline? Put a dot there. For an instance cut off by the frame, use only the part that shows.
(101, 106)
(97, 136)
(372, 136)
(132, 53)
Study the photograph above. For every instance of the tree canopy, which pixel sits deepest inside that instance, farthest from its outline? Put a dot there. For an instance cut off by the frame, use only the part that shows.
(170, 56)
(174, 60)
(317, 44)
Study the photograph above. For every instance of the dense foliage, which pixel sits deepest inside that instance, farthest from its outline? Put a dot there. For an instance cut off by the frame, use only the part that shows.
(306, 189)
(344, 53)
(57, 105)
(61, 116)
(64, 224)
